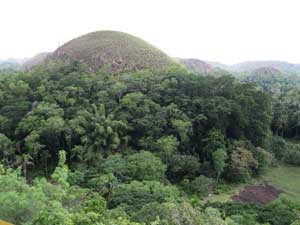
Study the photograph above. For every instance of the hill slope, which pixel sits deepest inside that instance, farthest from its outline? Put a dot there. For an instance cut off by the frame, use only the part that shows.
(35, 60)
(196, 66)
(114, 51)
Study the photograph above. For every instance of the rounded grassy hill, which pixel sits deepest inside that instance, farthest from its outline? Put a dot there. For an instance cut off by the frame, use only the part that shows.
(113, 51)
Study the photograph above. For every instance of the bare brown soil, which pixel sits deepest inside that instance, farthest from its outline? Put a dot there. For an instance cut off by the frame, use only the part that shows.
(261, 194)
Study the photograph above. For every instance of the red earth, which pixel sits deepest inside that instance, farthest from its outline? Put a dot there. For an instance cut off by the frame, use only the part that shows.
(261, 194)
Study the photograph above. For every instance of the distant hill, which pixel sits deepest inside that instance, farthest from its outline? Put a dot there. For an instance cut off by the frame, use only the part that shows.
(266, 71)
(262, 67)
(254, 65)
(35, 60)
(113, 51)
(218, 65)
(196, 66)
(270, 79)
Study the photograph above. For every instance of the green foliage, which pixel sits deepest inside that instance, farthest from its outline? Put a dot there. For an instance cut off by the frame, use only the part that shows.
(177, 213)
(213, 142)
(20, 202)
(139, 166)
(53, 214)
(183, 166)
(264, 159)
(278, 146)
(201, 186)
(292, 155)
(242, 165)
(50, 204)
(99, 133)
(166, 146)
(6, 148)
(279, 212)
(219, 157)
(193, 128)
(145, 166)
(60, 174)
(136, 194)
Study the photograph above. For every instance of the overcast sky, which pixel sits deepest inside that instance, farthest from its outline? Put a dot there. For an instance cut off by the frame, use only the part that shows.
(228, 31)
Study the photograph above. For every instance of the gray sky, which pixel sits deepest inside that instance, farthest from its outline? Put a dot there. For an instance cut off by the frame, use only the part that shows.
(228, 31)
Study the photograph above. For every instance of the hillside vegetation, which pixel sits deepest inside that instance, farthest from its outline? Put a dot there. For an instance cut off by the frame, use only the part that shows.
(154, 144)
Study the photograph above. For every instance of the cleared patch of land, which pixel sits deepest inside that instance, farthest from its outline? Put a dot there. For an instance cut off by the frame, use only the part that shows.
(285, 178)
(280, 180)
(262, 193)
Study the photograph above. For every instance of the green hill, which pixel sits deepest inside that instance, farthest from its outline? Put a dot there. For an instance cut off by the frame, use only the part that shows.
(113, 51)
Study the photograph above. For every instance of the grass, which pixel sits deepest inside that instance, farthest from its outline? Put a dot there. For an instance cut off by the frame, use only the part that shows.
(283, 177)
(119, 51)
(286, 178)
(225, 196)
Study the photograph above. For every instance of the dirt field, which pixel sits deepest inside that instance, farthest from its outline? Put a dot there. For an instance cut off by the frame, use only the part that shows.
(262, 194)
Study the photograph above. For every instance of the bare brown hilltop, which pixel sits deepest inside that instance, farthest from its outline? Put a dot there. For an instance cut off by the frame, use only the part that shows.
(113, 51)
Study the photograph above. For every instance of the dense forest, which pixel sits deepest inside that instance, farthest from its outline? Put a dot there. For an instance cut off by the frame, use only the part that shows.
(143, 147)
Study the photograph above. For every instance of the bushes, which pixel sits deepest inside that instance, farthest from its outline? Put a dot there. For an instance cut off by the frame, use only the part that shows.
(136, 194)
(292, 155)
(279, 212)
(278, 146)
(145, 166)
(20, 203)
(201, 185)
(288, 152)
(242, 165)
(264, 159)
(6, 147)
(178, 214)
(45, 203)
(183, 166)
(139, 166)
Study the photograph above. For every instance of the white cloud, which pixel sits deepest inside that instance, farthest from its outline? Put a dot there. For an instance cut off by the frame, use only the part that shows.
(228, 31)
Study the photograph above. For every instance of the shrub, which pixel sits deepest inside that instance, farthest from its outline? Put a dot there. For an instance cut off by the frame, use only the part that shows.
(278, 146)
(139, 166)
(242, 165)
(201, 185)
(145, 166)
(292, 155)
(136, 194)
(183, 166)
(264, 159)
